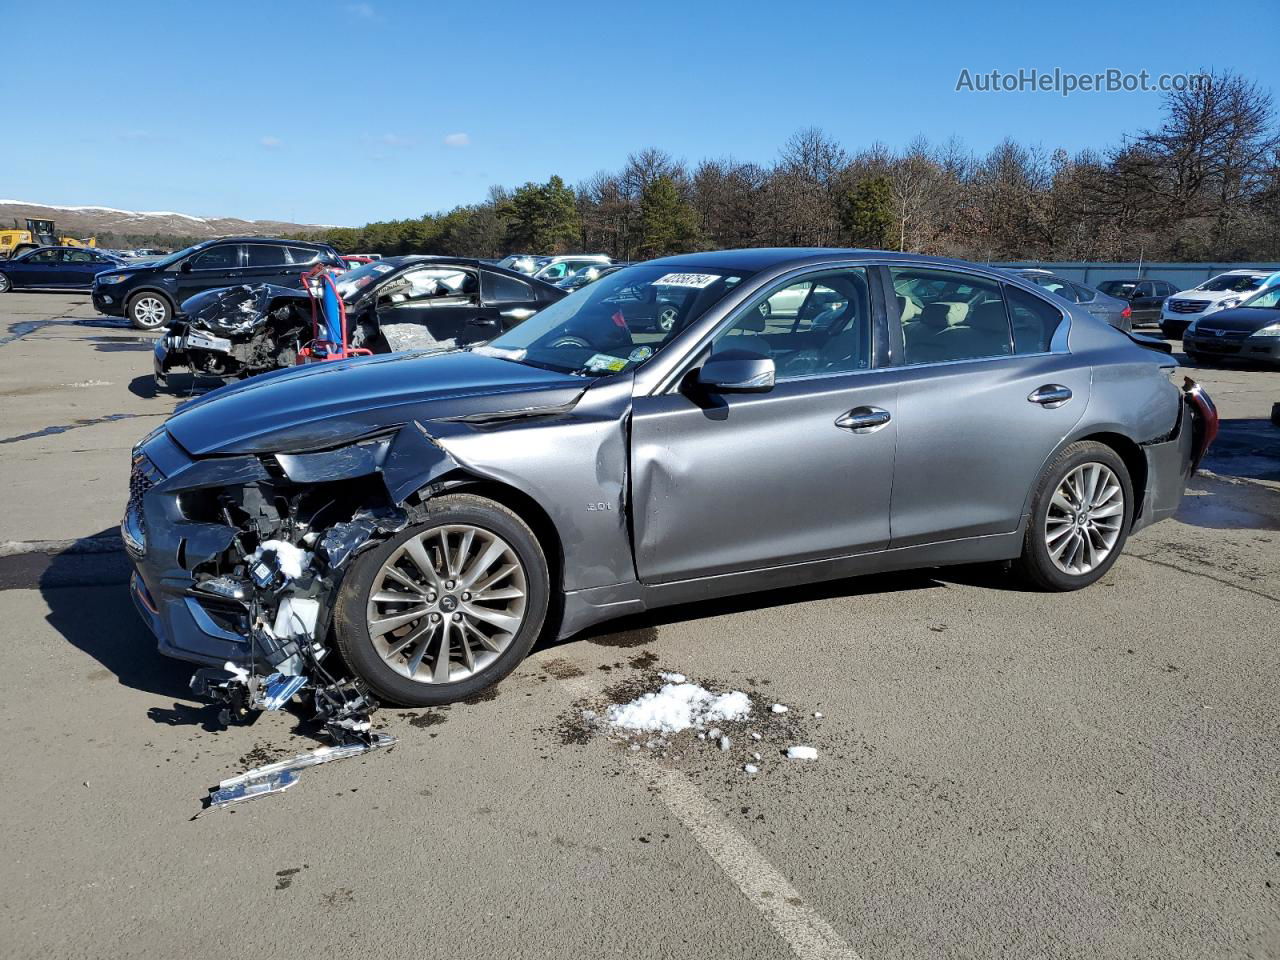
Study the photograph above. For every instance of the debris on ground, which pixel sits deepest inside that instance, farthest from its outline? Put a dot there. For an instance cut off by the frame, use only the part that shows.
(280, 776)
(779, 708)
(802, 753)
(679, 705)
(751, 768)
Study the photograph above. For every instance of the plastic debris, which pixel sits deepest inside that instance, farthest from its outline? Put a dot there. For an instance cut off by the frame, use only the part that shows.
(280, 776)
(725, 743)
(751, 768)
(802, 753)
(779, 708)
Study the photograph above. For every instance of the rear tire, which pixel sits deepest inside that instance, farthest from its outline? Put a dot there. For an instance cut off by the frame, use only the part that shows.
(5, 285)
(1080, 518)
(149, 311)
(377, 578)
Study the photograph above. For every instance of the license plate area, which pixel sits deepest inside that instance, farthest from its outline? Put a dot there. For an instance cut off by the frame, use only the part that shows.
(200, 341)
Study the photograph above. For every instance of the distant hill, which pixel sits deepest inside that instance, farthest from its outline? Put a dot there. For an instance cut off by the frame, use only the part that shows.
(106, 222)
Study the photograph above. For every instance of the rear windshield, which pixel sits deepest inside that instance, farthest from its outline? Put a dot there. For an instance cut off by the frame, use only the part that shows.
(1236, 283)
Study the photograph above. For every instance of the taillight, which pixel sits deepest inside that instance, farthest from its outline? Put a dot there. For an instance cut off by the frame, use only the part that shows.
(1126, 313)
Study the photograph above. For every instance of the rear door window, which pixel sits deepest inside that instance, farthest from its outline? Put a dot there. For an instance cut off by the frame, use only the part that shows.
(265, 255)
(1034, 321)
(948, 316)
(503, 289)
(302, 255)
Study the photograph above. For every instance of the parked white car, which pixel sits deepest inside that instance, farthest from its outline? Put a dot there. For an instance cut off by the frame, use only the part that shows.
(1222, 292)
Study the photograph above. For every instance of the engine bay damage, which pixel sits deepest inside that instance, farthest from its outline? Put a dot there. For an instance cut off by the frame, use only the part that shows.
(266, 558)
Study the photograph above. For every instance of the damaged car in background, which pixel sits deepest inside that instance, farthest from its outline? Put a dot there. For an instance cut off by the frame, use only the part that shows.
(396, 303)
(402, 528)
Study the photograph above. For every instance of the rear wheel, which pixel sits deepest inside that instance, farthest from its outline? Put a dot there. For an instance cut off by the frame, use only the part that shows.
(445, 608)
(149, 311)
(5, 286)
(1080, 518)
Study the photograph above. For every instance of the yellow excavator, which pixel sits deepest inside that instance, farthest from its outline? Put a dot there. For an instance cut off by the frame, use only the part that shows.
(39, 233)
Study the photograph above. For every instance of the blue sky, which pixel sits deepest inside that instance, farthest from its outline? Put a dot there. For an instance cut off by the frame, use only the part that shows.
(342, 112)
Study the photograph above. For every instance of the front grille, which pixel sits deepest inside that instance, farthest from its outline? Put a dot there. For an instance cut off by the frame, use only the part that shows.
(1204, 331)
(1188, 306)
(142, 477)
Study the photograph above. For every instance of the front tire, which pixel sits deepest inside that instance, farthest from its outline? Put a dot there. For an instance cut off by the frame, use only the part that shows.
(447, 607)
(5, 285)
(149, 311)
(1080, 518)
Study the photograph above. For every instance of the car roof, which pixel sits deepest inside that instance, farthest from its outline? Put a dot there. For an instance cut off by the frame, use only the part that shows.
(755, 259)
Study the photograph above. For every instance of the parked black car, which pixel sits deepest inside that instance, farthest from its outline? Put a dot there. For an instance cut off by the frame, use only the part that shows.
(1145, 297)
(149, 293)
(55, 267)
(1248, 332)
(396, 303)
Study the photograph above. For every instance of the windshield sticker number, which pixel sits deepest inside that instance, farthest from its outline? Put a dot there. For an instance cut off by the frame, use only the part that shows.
(602, 361)
(696, 281)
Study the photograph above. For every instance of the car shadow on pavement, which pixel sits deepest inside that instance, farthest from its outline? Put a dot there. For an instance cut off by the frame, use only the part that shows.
(639, 629)
(181, 386)
(1248, 448)
(87, 594)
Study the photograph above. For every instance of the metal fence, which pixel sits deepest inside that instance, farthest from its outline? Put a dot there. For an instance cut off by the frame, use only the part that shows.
(1184, 276)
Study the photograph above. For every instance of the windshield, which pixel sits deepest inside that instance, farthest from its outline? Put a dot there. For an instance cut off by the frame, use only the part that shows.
(175, 257)
(616, 323)
(351, 282)
(1236, 283)
(1118, 288)
(1268, 299)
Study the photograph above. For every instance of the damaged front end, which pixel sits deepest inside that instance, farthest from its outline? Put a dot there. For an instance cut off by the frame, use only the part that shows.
(236, 332)
(239, 559)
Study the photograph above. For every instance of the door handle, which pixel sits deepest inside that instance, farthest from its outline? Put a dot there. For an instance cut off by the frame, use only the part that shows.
(1051, 395)
(519, 313)
(863, 419)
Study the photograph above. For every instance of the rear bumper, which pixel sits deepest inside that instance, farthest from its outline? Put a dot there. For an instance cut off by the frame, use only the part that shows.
(1172, 462)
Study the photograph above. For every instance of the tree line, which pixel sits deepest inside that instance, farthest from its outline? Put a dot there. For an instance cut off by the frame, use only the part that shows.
(1203, 185)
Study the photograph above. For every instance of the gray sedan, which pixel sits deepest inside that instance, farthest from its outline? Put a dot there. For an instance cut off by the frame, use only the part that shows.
(1113, 310)
(431, 515)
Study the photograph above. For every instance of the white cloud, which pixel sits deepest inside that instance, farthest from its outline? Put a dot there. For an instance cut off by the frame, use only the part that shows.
(271, 143)
(364, 11)
(457, 140)
(395, 140)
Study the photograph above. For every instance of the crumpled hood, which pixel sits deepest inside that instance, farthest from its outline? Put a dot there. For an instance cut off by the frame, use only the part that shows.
(236, 309)
(326, 404)
(1240, 318)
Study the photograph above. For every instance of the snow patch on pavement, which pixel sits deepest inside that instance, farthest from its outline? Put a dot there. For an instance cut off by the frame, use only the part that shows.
(679, 705)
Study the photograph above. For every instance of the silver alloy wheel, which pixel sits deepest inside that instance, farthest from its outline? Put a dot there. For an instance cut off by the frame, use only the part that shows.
(447, 603)
(149, 311)
(667, 319)
(4, 283)
(1084, 518)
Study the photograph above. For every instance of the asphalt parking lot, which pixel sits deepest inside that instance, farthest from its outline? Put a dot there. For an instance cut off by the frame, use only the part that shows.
(1000, 773)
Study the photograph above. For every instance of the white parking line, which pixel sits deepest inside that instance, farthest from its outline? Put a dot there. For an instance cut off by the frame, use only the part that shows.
(805, 931)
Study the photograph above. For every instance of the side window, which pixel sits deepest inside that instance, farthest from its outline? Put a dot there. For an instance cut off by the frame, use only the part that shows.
(555, 272)
(217, 258)
(46, 256)
(501, 289)
(947, 316)
(1146, 289)
(1034, 321)
(1082, 294)
(302, 255)
(265, 255)
(822, 325)
(427, 285)
(78, 256)
(1165, 289)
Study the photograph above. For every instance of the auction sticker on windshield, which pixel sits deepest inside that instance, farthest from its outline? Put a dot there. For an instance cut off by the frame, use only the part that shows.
(602, 361)
(695, 280)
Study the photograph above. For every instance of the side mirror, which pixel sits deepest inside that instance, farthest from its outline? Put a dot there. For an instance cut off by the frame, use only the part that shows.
(186, 266)
(737, 371)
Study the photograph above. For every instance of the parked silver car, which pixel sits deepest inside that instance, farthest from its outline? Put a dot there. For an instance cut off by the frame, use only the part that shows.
(1113, 310)
(432, 514)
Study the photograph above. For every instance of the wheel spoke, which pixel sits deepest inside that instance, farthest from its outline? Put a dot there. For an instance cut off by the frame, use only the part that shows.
(502, 593)
(464, 548)
(378, 627)
(440, 673)
(486, 559)
(1107, 510)
(503, 621)
(417, 553)
(407, 582)
(495, 578)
